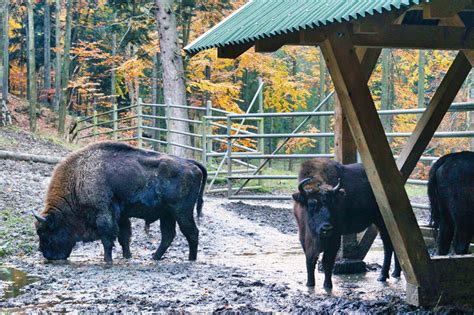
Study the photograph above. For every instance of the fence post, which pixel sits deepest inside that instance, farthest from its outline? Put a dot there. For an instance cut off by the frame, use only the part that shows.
(206, 143)
(261, 124)
(115, 122)
(94, 124)
(168, 124)
(139, 124)
(229, 158)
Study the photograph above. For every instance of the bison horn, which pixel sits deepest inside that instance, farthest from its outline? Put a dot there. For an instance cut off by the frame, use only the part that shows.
(301, 185)
(39, 217)
(338, 186)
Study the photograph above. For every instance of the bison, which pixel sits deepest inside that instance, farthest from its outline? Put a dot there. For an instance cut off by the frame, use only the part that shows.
(95, 191)
(334, 200)
(451, 194)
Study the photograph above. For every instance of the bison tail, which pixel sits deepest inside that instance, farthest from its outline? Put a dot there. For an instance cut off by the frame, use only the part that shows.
(200, 200)
(433, 194)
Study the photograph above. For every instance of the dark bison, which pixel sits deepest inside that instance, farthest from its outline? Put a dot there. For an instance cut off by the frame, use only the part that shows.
(95, 191)
(451, 194)
(334, 200)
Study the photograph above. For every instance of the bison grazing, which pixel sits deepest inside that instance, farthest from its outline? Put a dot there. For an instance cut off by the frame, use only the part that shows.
(334, 200)
(451, 194)
(95, 191)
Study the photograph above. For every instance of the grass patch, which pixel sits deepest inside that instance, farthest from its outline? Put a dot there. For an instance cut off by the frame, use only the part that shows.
(17, 235)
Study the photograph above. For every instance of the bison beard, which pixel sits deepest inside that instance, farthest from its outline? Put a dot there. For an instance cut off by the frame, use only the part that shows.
(334, 200)
(451, 194)
(95, 191)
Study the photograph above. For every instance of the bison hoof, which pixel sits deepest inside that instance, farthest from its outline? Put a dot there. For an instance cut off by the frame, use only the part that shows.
(382, 278)
(327, 286)
(310, 284)
(396, 274)
(156, 257)
(127, 255)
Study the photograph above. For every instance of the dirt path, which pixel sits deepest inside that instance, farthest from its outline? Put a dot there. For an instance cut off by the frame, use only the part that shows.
(249, 259)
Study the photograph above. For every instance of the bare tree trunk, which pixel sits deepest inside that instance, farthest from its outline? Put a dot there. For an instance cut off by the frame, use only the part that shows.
(421, 79)
(173, 73)
(322, 94)
(65, 68)
(47, 49)
(57, 75)
(112, 71)
(31, 66)
(5, 47)
(385, 100)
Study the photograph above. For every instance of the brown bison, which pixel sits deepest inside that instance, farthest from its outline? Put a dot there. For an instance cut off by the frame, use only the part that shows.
(95, 191)
(451, 194)
(334, 200)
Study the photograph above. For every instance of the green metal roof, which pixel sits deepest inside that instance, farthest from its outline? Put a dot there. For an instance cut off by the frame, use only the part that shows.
(259, 19)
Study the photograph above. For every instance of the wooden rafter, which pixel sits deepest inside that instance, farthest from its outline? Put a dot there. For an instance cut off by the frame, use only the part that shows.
(433, 115)
(438, 9)
(373, 146)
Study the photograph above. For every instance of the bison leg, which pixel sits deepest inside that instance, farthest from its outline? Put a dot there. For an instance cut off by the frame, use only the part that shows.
(329, 258)
(445, 236)
(191, 232)
(311, 257)
(397, 269)
(387, 254)
(462, 239)
(125, 233)
(168, 232)
(108, 231)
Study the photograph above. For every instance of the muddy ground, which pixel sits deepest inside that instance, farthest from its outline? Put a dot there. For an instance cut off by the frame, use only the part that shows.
(249, 259)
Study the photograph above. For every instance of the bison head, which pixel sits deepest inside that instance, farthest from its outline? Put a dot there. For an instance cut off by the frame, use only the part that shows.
(55, 239)
(321, 206)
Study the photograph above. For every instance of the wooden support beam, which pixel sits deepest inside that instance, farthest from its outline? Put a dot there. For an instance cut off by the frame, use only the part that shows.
(345, 151)
(433, 115)
(438, 9)
(415, 37)
(454, 21)
(469, 54)
(234, 51)
(373, 146)
(276, 42)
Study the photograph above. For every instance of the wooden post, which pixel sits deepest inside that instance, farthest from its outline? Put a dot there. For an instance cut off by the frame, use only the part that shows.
(345, 151)
(229, 157)
(261, 123)
(94, 124)
(384, 177)
(115, 122)
(139, 124)
(208, 130)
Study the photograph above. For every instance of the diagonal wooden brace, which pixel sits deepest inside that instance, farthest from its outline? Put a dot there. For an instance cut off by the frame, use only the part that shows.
(383, 174)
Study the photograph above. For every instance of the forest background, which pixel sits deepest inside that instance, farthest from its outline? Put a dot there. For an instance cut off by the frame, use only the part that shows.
(77, 56)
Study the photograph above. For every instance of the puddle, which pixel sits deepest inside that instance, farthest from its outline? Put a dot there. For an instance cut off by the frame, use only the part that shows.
(12, 280)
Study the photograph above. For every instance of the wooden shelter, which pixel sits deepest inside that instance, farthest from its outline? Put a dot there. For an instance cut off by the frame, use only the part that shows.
(351, 35)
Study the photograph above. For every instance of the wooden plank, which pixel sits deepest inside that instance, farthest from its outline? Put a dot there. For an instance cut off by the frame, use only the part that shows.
(438, 9)
(433, 115)
(233, 51)
(366, 242)
(417, 37)
(373, 146)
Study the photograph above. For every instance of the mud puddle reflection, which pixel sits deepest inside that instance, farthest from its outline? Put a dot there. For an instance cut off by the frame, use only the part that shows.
(12, 280)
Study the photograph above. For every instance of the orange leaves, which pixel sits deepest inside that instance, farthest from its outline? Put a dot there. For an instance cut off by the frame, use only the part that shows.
(299, 144)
